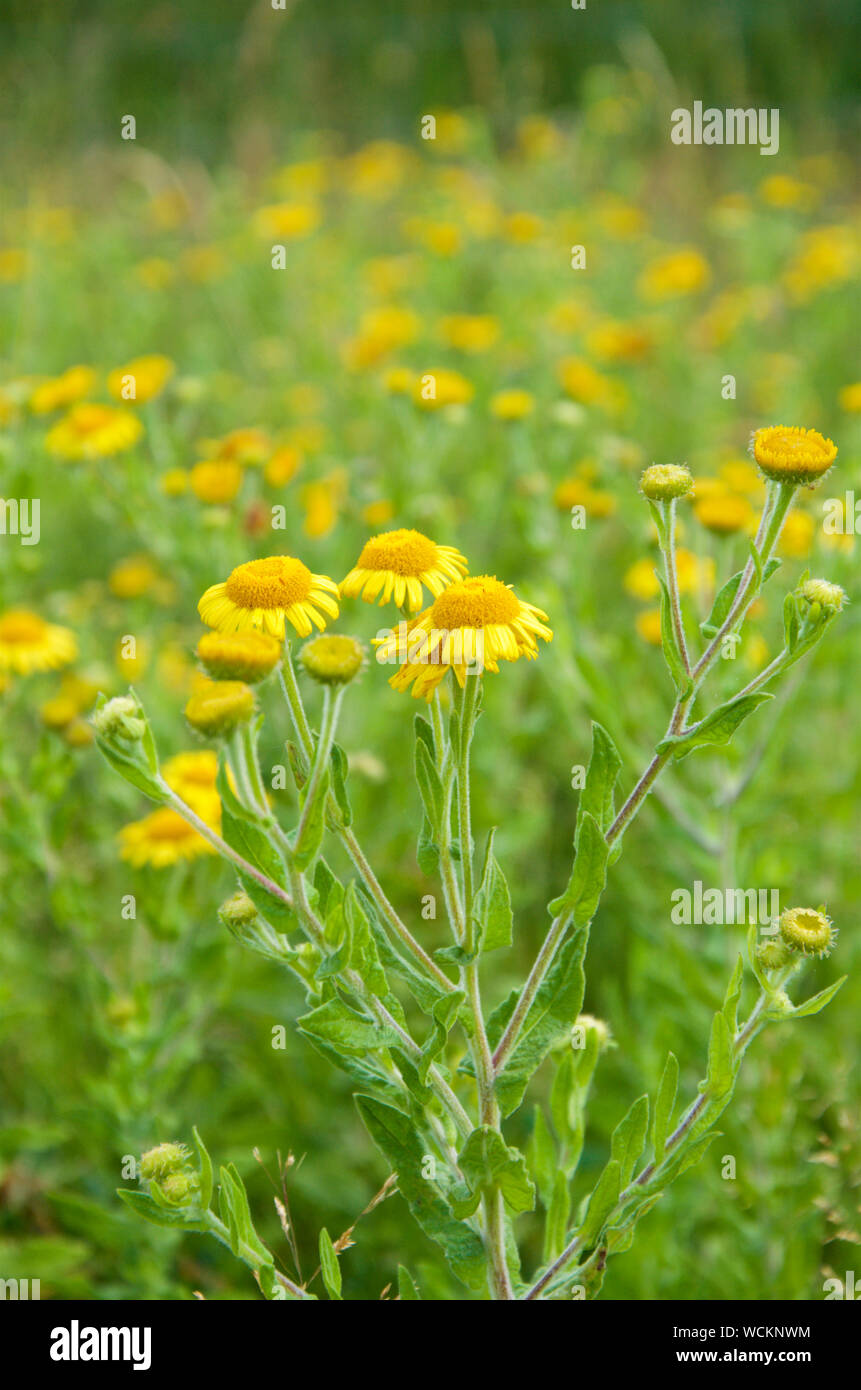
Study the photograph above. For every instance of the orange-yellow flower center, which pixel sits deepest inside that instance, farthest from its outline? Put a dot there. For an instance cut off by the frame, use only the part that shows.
(403, 552)
(279, 581)
(786, 444)
(86, 419)
(477, 602)
(167, 825)
(20, 626)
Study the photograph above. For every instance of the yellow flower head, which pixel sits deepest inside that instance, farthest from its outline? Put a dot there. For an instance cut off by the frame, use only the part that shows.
(664, 481)
(94, 431)
(648, 626)
(796, 537)
(789, 454)
(216, 481)
(74, 384)
(142, 379)
(218, 707)
(396, 564)
(850, 397)
(193, 773)
(470, 627)
(724, 514)
(57, 712)
(164, 837)
(287, 221)
(263, 594)
(512, 405)
(29, 644)
(238, 656)
(807, 930)
(132, 577)
(470, 332)
(334, 659)
(441, 387)
(680, 272)
(283, 466)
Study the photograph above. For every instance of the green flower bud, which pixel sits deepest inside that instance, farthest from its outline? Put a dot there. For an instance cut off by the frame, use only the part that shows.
(772, 955)
(121, 717)
(163, 1161)
(332, 660)
(819, 592)
(178, 1188)
(665, 481)
(807, 930)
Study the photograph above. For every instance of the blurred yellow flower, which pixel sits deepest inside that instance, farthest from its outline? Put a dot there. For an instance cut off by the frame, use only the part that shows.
(724, 514)
(613, 341)
(203, 263)
(283, 466)
(381, 331)
(585, 384)
(131, 657)
(796, 537)
(514, 404)
(164, 837)
(522, 227)
(378, 168)
(28, 644)
(378, 513)
(215, 481)
(142, 379)
(470, 332)
(14, 264)
(399, 381)
(73, 385)
(850, 397)
(828, 257)
(132, 577)
(675, 273)
(287, 221)
(648, 624)
(782, 191)
(321, 512)
(441, 387)
(94, 431)
(174, 482)
(155, 273)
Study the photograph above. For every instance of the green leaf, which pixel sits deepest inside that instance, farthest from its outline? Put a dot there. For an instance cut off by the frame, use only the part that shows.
(588, 876)
(347, 1031)
(445, 1012)
(598, 795)
(205, 1163)
(339, 769)
(133, 769)
(541, 1157)
(818, 1001)
(601, 1203)
(721, 1070)
(430, 784)
(669, 645)
(395, 1135)
(305, 850)
(329, 1266)
(733, 994)
(726, 596)
(407, 1287)
(427, 850)
(144, 1206)
(364, 956)
(790, 621)
(665, 1102)
(489, 1165)
(717, 727)
(550, 1018)
(492, 903)
(629, 1136)
(558, 1217)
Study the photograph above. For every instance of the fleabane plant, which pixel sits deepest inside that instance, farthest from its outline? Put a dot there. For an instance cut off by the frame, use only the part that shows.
(437, 1074)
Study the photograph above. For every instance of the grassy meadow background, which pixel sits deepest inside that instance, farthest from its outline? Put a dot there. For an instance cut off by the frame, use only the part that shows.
(404, 256)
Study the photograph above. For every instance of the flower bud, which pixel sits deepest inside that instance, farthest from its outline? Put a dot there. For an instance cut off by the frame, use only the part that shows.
(772, 955)
(807, 930)
(238, 656)
(178, 1188)
(663, 482)
(121, 717)
(829, 597)
(333, 659)
(238, 912)
(219, 707)
(587, 1025)
(163, 1161)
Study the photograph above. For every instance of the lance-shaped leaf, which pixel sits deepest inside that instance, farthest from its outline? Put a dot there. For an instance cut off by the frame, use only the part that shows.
(550, 1018)
(665, 1102)
(726, 597)
(492, 903)
(541, 1157)
(396, 1136)
(597, 798)
(817, 1001)
(588, 876)
(427, 776)
(346, 1030)
(339, 770)
(669, 642)
(330, 1269)
(717, 727)
(488, 1164)
(629, 1136)
(604, 1197)
(720, 1076)
(445, 1012)
(305, 850)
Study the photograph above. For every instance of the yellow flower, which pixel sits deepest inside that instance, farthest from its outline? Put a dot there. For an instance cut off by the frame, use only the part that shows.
(442, 238)
(807, 930)
(512, 405)
(470, 627)
(828, 256)
(94, 431)
(649, 626)
(787, 453)
(164, 837)
(216, 708)
(132, 577)
(174, 482)
(58, 712)
(796, 537)
(399, 381)
(283, 466)
(741, 476)
(262, 594)
(522, 228)
(583, 383)
(470, 332)
(781, 191)
(378, 513)
(321, 512)
(850, 397)
(620, 219)
(215, 481)
(238, 656)
(29, 644)
(203, 263)
(724, 514)
(155, 273)
(142, 379)
(13, 265)
(641, 580)
(131, 661)
(576, 492)
(396, 564)
(333, 660)
(378, 168)
(381, 331)
(620, 342)
(61, 391)
(246, 445)
(287, 221)
(680, 272)
(192, 773)
(442, 387)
